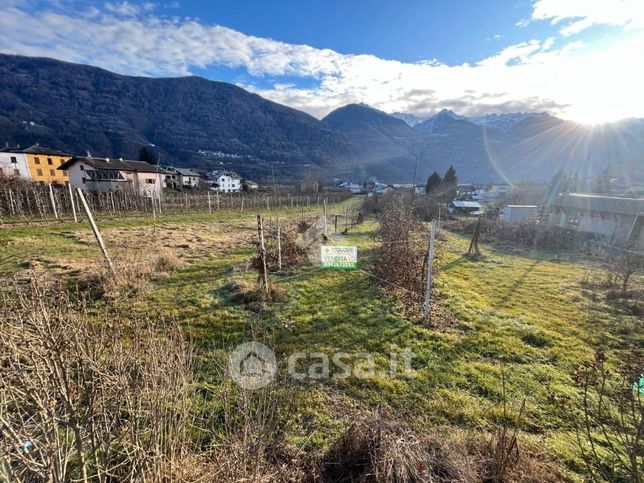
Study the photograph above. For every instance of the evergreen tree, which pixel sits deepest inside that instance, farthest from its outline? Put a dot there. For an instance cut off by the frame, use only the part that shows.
(450, 177)
(147, 155)
(448, 187)
(433, 182)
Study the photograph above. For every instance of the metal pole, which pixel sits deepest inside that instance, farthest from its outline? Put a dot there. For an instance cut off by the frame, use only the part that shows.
(279, 249)
(430, 263)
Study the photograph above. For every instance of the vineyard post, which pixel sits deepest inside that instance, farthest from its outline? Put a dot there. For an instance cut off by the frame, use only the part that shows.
(209, 204)
(325, 224)
(474, 244)
(97, 233)
(12, 208)
(430, 263)
(262, 254)
(53, 201)
(71, 199)
(279, 249)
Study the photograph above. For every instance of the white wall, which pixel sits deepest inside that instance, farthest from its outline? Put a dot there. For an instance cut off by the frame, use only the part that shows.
(520, 213)
(8, 168)
(228, 184)
(144, 183)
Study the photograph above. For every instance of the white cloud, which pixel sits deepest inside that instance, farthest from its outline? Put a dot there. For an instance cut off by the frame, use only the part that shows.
(534, 75)
(579, 15)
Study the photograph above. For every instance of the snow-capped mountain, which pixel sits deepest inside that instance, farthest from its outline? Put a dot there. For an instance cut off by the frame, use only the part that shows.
(505, 122)
(410, 119)
(439, 121)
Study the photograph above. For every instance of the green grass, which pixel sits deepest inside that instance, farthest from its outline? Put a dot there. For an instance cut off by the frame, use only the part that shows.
(521, 313)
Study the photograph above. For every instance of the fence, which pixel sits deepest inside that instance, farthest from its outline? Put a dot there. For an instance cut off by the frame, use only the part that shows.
(49, 202)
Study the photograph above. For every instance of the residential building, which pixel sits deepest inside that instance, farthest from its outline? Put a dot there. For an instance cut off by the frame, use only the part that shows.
(13, 163)
(619, 221)
(105, 174)
(181, 178)
(464, 207)
(512, 213)
(36, 163)
(225, 181)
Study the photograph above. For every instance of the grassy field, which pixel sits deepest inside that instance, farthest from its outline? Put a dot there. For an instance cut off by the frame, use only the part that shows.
(520, 315)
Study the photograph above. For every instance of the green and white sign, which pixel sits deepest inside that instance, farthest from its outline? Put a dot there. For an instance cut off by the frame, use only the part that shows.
(339, 257)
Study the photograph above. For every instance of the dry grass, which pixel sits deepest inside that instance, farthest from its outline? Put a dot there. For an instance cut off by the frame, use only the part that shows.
(378, 449)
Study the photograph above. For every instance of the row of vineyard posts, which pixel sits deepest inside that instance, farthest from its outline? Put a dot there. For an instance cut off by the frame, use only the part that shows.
(51, 202)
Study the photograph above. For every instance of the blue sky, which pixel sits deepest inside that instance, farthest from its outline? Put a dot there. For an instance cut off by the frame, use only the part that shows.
(578, 59)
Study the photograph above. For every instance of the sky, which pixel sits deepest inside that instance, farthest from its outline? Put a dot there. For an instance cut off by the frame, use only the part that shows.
(578, 59)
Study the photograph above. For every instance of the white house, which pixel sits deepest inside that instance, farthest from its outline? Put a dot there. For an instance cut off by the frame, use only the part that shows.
(180, 178)
(619, 221)
(13, 163)
(513, 213)
(105, 174)
(225, 181)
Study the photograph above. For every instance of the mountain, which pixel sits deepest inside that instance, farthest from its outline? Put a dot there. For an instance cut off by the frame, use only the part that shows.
(385, 140)
(410, 119)
(441, 121)
(189, 121)
(505, 122)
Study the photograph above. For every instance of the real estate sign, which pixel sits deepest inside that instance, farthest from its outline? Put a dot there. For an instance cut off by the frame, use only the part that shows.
(339, 257)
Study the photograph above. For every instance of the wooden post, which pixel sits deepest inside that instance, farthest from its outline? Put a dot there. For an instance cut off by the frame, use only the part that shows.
(97, 234)
(53, 201)
(430, 263)
(218, 206)
(242, 201)
(335, 224)
(279, 249)
(262, 254)
(209, 204)
(71, 199)
(474, 244)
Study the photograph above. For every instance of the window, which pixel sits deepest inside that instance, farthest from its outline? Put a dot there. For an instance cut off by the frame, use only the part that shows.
(39, 172)
(52, 172)
(50, 162)
(149, 181)
(83, 180)
(14, 160)
(65, 174)
(36, 160)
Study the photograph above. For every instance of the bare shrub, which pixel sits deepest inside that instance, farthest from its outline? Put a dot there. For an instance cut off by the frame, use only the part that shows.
(624, 265)
(84, 397)
(611, 422)
(402, 256)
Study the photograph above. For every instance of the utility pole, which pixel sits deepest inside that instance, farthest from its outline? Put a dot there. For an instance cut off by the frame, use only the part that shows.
(430, 263)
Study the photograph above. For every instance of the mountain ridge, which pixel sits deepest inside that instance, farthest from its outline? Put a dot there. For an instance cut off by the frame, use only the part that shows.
(192, 121)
